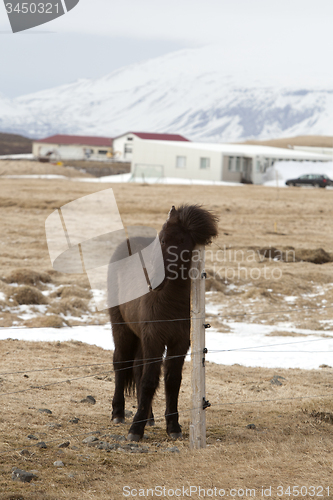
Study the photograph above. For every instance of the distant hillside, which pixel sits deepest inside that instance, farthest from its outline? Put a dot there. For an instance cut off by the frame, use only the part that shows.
(199, 93)
(319, 141)
(11, 144)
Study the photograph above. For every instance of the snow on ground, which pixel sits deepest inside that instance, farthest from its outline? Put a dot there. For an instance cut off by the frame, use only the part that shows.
(275, 176)
(156, 180)
(282, 171)
(246, 344)
(35, 176)
(126, 178)
(26, 156)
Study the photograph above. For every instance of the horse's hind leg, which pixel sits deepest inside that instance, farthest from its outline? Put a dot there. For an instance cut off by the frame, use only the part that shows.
(173, 366)
(137, 371)
(126, 345)
(149, 383)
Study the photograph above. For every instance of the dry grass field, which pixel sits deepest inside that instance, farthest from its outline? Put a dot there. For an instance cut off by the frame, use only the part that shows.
(273, 244)
(291, 443)
(27, 167)
(319, 141)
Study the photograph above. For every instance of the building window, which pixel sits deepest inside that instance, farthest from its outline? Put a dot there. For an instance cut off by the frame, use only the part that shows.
(180, 161)
(205, 163)
(130, 138)
(238, 164)
(230, 163)
(102, 151)
(128, 148)
(88, 152)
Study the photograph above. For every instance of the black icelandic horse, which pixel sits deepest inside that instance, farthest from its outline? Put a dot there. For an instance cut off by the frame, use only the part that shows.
(140, 341)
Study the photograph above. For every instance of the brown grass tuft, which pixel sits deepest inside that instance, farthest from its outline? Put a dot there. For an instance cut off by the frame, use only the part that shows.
(70, 305)
(213, 284)
(285, 334)
(72, 291)
(28, 295)
(51, 321)
(315, 256)
(27, 277)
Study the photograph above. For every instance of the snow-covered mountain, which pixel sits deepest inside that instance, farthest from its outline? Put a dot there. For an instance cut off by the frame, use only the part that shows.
(194, 92)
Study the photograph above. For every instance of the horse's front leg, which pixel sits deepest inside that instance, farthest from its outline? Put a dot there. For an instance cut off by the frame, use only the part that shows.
(173, 366)
(148, 385)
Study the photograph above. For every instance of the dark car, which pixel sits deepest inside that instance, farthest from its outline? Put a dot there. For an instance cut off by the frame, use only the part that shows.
(315, 180)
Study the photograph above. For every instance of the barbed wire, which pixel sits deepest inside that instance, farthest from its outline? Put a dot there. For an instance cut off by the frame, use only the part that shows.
(220, 316)
(273, 345)
(159, 358)
(213, 405)
(68, 380)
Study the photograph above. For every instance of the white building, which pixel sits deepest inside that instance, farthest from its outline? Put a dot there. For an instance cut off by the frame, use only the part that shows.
(122, 146)
(215, 162)
(315, 149)
(73, 147)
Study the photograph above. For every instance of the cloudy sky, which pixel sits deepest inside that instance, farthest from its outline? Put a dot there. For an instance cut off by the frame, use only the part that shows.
(99, 36)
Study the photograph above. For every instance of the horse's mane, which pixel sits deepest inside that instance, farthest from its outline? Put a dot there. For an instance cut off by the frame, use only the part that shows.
(199, 222)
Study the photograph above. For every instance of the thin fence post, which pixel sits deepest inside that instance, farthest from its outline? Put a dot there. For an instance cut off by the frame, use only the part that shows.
(198, 417)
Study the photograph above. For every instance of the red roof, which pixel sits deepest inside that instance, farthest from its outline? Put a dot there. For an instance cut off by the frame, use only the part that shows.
(83, 140)
(158, 137)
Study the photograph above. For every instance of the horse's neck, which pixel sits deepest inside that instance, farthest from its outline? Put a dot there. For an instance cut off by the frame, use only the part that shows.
(177, 289)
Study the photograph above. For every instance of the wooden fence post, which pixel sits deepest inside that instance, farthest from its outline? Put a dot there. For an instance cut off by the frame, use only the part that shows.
(198, 417)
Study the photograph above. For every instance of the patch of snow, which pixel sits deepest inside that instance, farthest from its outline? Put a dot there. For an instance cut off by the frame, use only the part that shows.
(99, 335)
(26, 311)
(34, 176)
(290, 298)
(152, 180)
(247, 344)
(28, 156)
(51, 288)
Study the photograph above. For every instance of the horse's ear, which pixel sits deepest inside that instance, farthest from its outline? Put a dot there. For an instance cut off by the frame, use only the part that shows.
(171, 211)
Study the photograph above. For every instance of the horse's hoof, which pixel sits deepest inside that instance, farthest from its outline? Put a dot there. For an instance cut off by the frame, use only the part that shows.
(176, 435)
(118, 420)
(133, 437)
(151, 423)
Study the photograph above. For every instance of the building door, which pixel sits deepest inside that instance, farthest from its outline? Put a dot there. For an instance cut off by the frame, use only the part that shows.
(247, 169)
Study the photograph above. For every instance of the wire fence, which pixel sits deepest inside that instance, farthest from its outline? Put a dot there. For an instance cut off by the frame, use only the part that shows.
(154, 360)
(146, 361)
(175, 320)
(183, 412)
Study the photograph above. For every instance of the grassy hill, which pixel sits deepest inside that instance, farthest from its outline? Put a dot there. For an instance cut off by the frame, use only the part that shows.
(320, 141)
(11, 144)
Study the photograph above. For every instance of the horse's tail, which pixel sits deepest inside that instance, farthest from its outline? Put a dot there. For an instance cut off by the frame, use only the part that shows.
(129, 383)
(134, 372)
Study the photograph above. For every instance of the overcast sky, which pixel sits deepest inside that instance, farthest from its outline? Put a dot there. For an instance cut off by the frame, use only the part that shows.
(98, 36)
